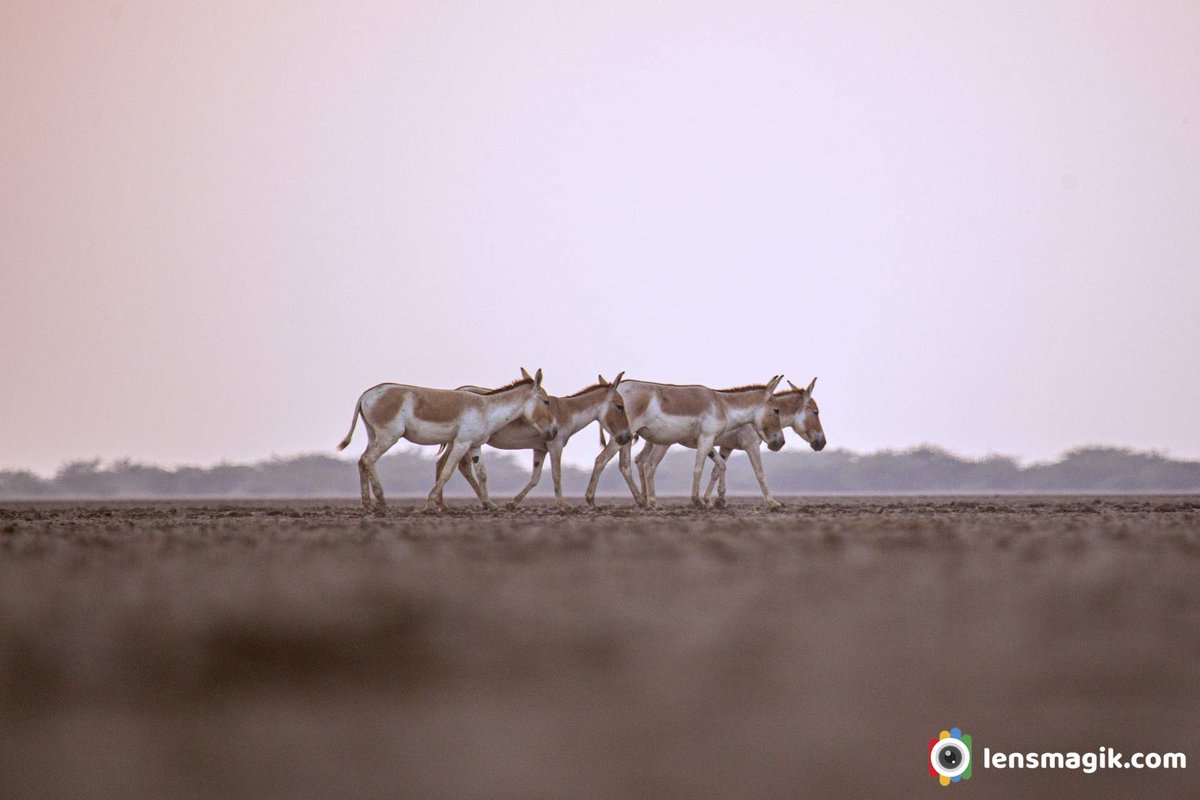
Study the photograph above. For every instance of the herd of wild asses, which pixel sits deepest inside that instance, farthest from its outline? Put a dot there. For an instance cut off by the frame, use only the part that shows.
(522, 416)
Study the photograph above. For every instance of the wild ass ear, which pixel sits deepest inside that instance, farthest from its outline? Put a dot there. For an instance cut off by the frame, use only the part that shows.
(809, 390)
(612, 387)
(795, 388)
(525, 374)
(772, 384)
(601, 379)
(537, 378)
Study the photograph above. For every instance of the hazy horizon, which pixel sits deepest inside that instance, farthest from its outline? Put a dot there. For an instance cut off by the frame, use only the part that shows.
(975, 224)
(521, 458)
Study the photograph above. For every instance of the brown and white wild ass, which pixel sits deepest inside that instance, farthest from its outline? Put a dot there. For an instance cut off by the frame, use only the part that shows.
(460, 420)
(652, 454)
(599, 402)
(667, 414)
(798, 411)
(773, 428)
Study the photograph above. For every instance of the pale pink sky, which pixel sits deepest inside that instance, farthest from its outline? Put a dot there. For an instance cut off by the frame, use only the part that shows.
(977, 222)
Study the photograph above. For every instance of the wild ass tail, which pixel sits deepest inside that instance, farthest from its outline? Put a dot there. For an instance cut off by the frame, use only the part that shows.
(353, 422)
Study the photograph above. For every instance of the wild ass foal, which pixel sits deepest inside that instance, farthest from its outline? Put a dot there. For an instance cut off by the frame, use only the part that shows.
(798, 411)
(599, 402)
(667, 414)
(460, 420)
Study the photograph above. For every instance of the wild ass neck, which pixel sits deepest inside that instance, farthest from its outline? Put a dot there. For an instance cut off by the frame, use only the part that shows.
(740, 407)
(578, 411)
(505, 407)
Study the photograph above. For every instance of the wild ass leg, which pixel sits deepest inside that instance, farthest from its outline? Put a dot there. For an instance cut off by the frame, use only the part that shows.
(538, 457)
(481, 477)
(464, 466)
(627, 473)
(714, 477)
(364, 474)
(465, 469)
(556, 474)
(756, 462)
(725, 453)
(650, 469)
(376, 447)
(455, 454)
(643, 458)
(718, 476)
(703, 445)
(602, 460)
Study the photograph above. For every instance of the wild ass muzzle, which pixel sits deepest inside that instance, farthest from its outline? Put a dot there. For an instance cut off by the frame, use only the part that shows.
(460, 420)
(599, 402)
(667, 414)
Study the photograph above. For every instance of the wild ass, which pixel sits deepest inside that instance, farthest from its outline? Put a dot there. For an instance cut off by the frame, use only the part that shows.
(667, 414)
(598, 402)
(798, 411)
(652, 454)
(460, 420)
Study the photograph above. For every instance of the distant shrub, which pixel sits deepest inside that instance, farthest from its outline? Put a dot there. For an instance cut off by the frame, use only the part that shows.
(925, 469)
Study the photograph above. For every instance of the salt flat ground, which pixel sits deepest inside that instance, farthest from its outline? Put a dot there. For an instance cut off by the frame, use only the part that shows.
(294, 650)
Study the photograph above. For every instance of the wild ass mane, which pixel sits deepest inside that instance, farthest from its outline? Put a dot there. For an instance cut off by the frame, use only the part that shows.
(513, 385)
(591, 388)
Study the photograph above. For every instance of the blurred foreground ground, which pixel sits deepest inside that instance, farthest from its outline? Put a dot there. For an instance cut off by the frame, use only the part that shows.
(293, 650)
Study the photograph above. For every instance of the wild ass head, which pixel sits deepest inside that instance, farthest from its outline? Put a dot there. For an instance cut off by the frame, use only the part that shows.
(613, 417)
(767, 423)
(807, 422)
(536, 410)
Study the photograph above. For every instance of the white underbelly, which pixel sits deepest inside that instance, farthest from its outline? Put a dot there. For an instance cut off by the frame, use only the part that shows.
(667, 429)
(519, 435)
(739, 438)
(420, 432)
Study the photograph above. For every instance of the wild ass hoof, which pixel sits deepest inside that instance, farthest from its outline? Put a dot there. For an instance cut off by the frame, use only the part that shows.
(719, 503)
(699, 503)
(774, 505)
(432, 508)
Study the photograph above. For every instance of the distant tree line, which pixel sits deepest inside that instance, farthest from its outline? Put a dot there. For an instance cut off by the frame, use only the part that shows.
(920, 470)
